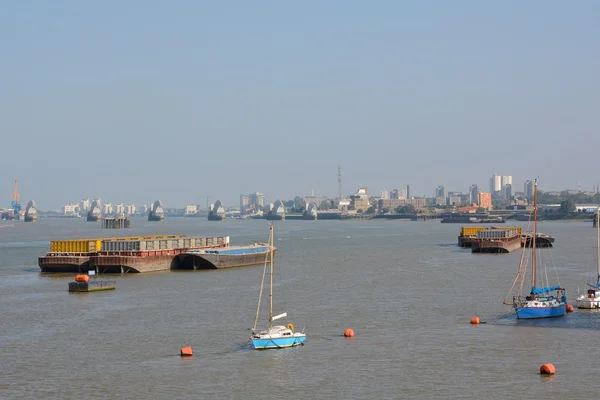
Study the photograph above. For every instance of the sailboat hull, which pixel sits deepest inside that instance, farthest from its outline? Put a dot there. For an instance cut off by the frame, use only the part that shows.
(278, 343)
(588, 304)
(541, 312)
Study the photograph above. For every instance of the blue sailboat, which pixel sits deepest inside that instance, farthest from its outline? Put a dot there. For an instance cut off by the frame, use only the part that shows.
(275, 336)
(541, 302)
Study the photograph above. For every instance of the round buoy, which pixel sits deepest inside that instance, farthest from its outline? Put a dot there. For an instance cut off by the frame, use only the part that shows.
(547, 369)
(475, 321)
(349, 332)
(186, 351)
(570, 308)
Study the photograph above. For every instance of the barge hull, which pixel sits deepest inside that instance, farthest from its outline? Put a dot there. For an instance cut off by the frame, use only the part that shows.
(64, 263)
(496, 245)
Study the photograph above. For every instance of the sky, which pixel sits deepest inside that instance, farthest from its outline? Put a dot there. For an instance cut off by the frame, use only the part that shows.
(142, 100)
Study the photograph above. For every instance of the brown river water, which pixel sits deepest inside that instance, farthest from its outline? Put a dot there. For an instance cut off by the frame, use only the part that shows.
(406, 289)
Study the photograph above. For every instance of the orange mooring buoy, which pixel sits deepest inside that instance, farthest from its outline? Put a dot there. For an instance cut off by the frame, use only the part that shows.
(475, 321)
(570, 308)
(547, 369)
(349, 332)
(186, 351)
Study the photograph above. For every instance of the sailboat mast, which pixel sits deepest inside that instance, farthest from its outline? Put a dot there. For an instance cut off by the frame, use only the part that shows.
(271, 242)
(598, 246)
(533, 277)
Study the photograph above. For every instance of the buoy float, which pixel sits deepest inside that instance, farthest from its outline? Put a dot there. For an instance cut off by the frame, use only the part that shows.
(475, 321)
(186, 351)
(82, 278)
(547, 369)
(349, 332)
(570, 308)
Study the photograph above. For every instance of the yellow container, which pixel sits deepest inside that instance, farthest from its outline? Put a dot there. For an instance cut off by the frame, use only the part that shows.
(76, 246)
(94, 245)
(471, 230)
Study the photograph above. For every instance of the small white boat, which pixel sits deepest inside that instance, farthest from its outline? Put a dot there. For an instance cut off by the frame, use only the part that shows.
(275, 336)
(591, 299)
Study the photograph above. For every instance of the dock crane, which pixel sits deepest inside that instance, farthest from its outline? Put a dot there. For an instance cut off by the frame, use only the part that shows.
(16, 204)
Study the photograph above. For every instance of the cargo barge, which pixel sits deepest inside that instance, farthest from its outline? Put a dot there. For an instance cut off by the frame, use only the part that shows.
(496, 241)
(147, 254)
(468, 234)
(234, 256)
(541, 240)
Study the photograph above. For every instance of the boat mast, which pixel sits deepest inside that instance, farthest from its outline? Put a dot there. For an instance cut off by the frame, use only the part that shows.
(598, 245)
(533, 277)
(271, 241)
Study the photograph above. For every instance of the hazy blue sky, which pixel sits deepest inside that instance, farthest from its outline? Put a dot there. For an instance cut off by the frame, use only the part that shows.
(134, 101)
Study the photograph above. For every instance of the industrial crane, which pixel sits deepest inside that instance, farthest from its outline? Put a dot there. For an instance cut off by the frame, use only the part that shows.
(16, 204)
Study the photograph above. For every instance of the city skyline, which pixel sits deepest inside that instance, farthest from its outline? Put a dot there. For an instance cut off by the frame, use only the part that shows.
(217, 100)
(204, 202)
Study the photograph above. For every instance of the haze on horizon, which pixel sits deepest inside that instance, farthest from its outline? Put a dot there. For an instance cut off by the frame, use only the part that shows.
(143, 100)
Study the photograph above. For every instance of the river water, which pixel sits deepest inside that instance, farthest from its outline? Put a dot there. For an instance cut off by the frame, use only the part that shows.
(404, 287)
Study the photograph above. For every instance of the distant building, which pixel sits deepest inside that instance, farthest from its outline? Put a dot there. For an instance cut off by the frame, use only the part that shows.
(485, 200)
(506, 180)
(528, 190)
(120, 208)
(508, 191)
(408, 191)
(495, 183)
(441, 191)
(392, 204)
(191, 209)
(71, 209)
(360, 200)
(385, 194)
(130, 209)
(454, 200)
(251, 202)
(396, 195)
(474, 194)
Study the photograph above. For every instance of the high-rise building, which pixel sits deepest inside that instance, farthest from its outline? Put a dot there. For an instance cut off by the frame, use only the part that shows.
(506, 180)
(485, 200)
(474, 194)
(508, 191)
(528, 190)
(385, 195)
(244, 203)
(408, 191)
(495, 183)
(441, 191)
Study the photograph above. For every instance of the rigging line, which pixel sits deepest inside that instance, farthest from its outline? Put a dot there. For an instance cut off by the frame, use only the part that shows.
(554, 265)
(262, 284)
(528, 250)
(516, 277)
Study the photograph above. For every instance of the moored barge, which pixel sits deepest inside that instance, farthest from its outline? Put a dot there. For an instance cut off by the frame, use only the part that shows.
(147, 254)
(496, 241)
(233, 256)
(468, 234)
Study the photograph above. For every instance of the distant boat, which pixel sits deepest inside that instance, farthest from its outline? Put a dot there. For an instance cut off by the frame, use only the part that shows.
(592, 298)
(540, 303)
(275, 336)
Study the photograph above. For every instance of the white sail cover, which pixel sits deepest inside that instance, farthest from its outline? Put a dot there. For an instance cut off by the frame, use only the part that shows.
(276, 317)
